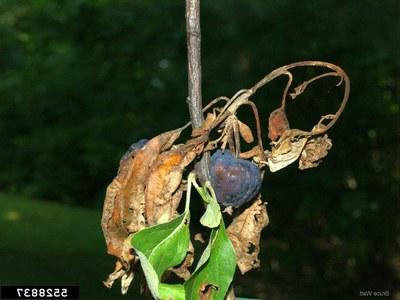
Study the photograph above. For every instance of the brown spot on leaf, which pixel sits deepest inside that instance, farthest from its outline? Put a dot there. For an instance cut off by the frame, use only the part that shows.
(207, 291)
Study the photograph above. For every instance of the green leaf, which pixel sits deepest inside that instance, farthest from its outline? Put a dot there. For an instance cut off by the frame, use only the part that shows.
(215, 269)
(212, 216)
(150, 274)
(161, 247)
(148, 238)
(165, 245)
(171, 291)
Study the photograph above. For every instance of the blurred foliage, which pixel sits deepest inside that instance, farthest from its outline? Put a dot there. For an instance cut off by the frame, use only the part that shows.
(81, 80)
(53, 244)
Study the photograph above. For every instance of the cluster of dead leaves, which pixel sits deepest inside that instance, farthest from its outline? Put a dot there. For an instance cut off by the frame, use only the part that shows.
(149, 185)
(289, 145)
(146, 191)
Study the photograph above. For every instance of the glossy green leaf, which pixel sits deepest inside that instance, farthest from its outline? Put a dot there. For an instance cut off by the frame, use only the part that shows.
(148, 238)
(171, 291)
(165, 245)
(215, 269)
(212, 216)
(150, 274)
(161, 247)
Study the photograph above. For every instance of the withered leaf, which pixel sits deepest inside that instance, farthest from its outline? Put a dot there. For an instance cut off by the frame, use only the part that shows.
(119, 271)
(314, 151)
(206, 125)
(277, 124)
(245, 132)
(124, 204)
(253, 152)
(163, 192)
(245, 233)
(199, 237)
(285, 153)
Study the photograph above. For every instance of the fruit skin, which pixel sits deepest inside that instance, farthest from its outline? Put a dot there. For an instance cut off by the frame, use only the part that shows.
(235, 181)
(133, 148)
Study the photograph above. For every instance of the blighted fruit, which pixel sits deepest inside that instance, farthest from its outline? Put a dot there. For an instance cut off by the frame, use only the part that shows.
(133, 148)
(235, 181)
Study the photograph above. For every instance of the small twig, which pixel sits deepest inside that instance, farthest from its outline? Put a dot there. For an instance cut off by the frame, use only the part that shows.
(258, 127)
(194, 101)
(289, 83)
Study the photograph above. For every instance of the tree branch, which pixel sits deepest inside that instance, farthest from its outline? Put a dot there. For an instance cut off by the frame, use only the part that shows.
(193, 35)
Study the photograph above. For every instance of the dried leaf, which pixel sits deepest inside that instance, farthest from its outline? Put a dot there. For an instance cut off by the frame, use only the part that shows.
(119, 271)
(285, 153)
(253, 152)
(124, 204)
(163, 192)
(277, 124)
(126, 281)
(206, 125)
(199, 237)
(314, 151)
(113, 229)
(245, 132)
(245, 233)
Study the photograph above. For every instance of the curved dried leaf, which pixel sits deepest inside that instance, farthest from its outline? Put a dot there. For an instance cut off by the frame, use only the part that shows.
(277, 124)
(123, 211)
(206, 125)
(314, 151)
(285, 153)
(111, 222)
(245, 132)
(245, 233)
(163, 189)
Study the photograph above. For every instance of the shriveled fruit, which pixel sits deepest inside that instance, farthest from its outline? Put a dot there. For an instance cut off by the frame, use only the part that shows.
(235, 181)
(133, 148)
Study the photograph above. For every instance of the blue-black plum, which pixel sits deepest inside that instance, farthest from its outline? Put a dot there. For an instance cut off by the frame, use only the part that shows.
(133, 148)
(235, 181)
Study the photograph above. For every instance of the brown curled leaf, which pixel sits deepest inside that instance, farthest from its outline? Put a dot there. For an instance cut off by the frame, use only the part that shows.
(163, 189)
(277, 124)
(285, 153)
(206, 125)
(314, 151)
(124, 209)
(245, 233)
(253, 152)
(245, 132)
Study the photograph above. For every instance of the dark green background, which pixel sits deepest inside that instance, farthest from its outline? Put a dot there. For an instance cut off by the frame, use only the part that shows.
(81, 80)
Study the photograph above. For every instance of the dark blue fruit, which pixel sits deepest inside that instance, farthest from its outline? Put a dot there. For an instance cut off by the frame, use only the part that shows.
(235, 181)
(133, 148)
